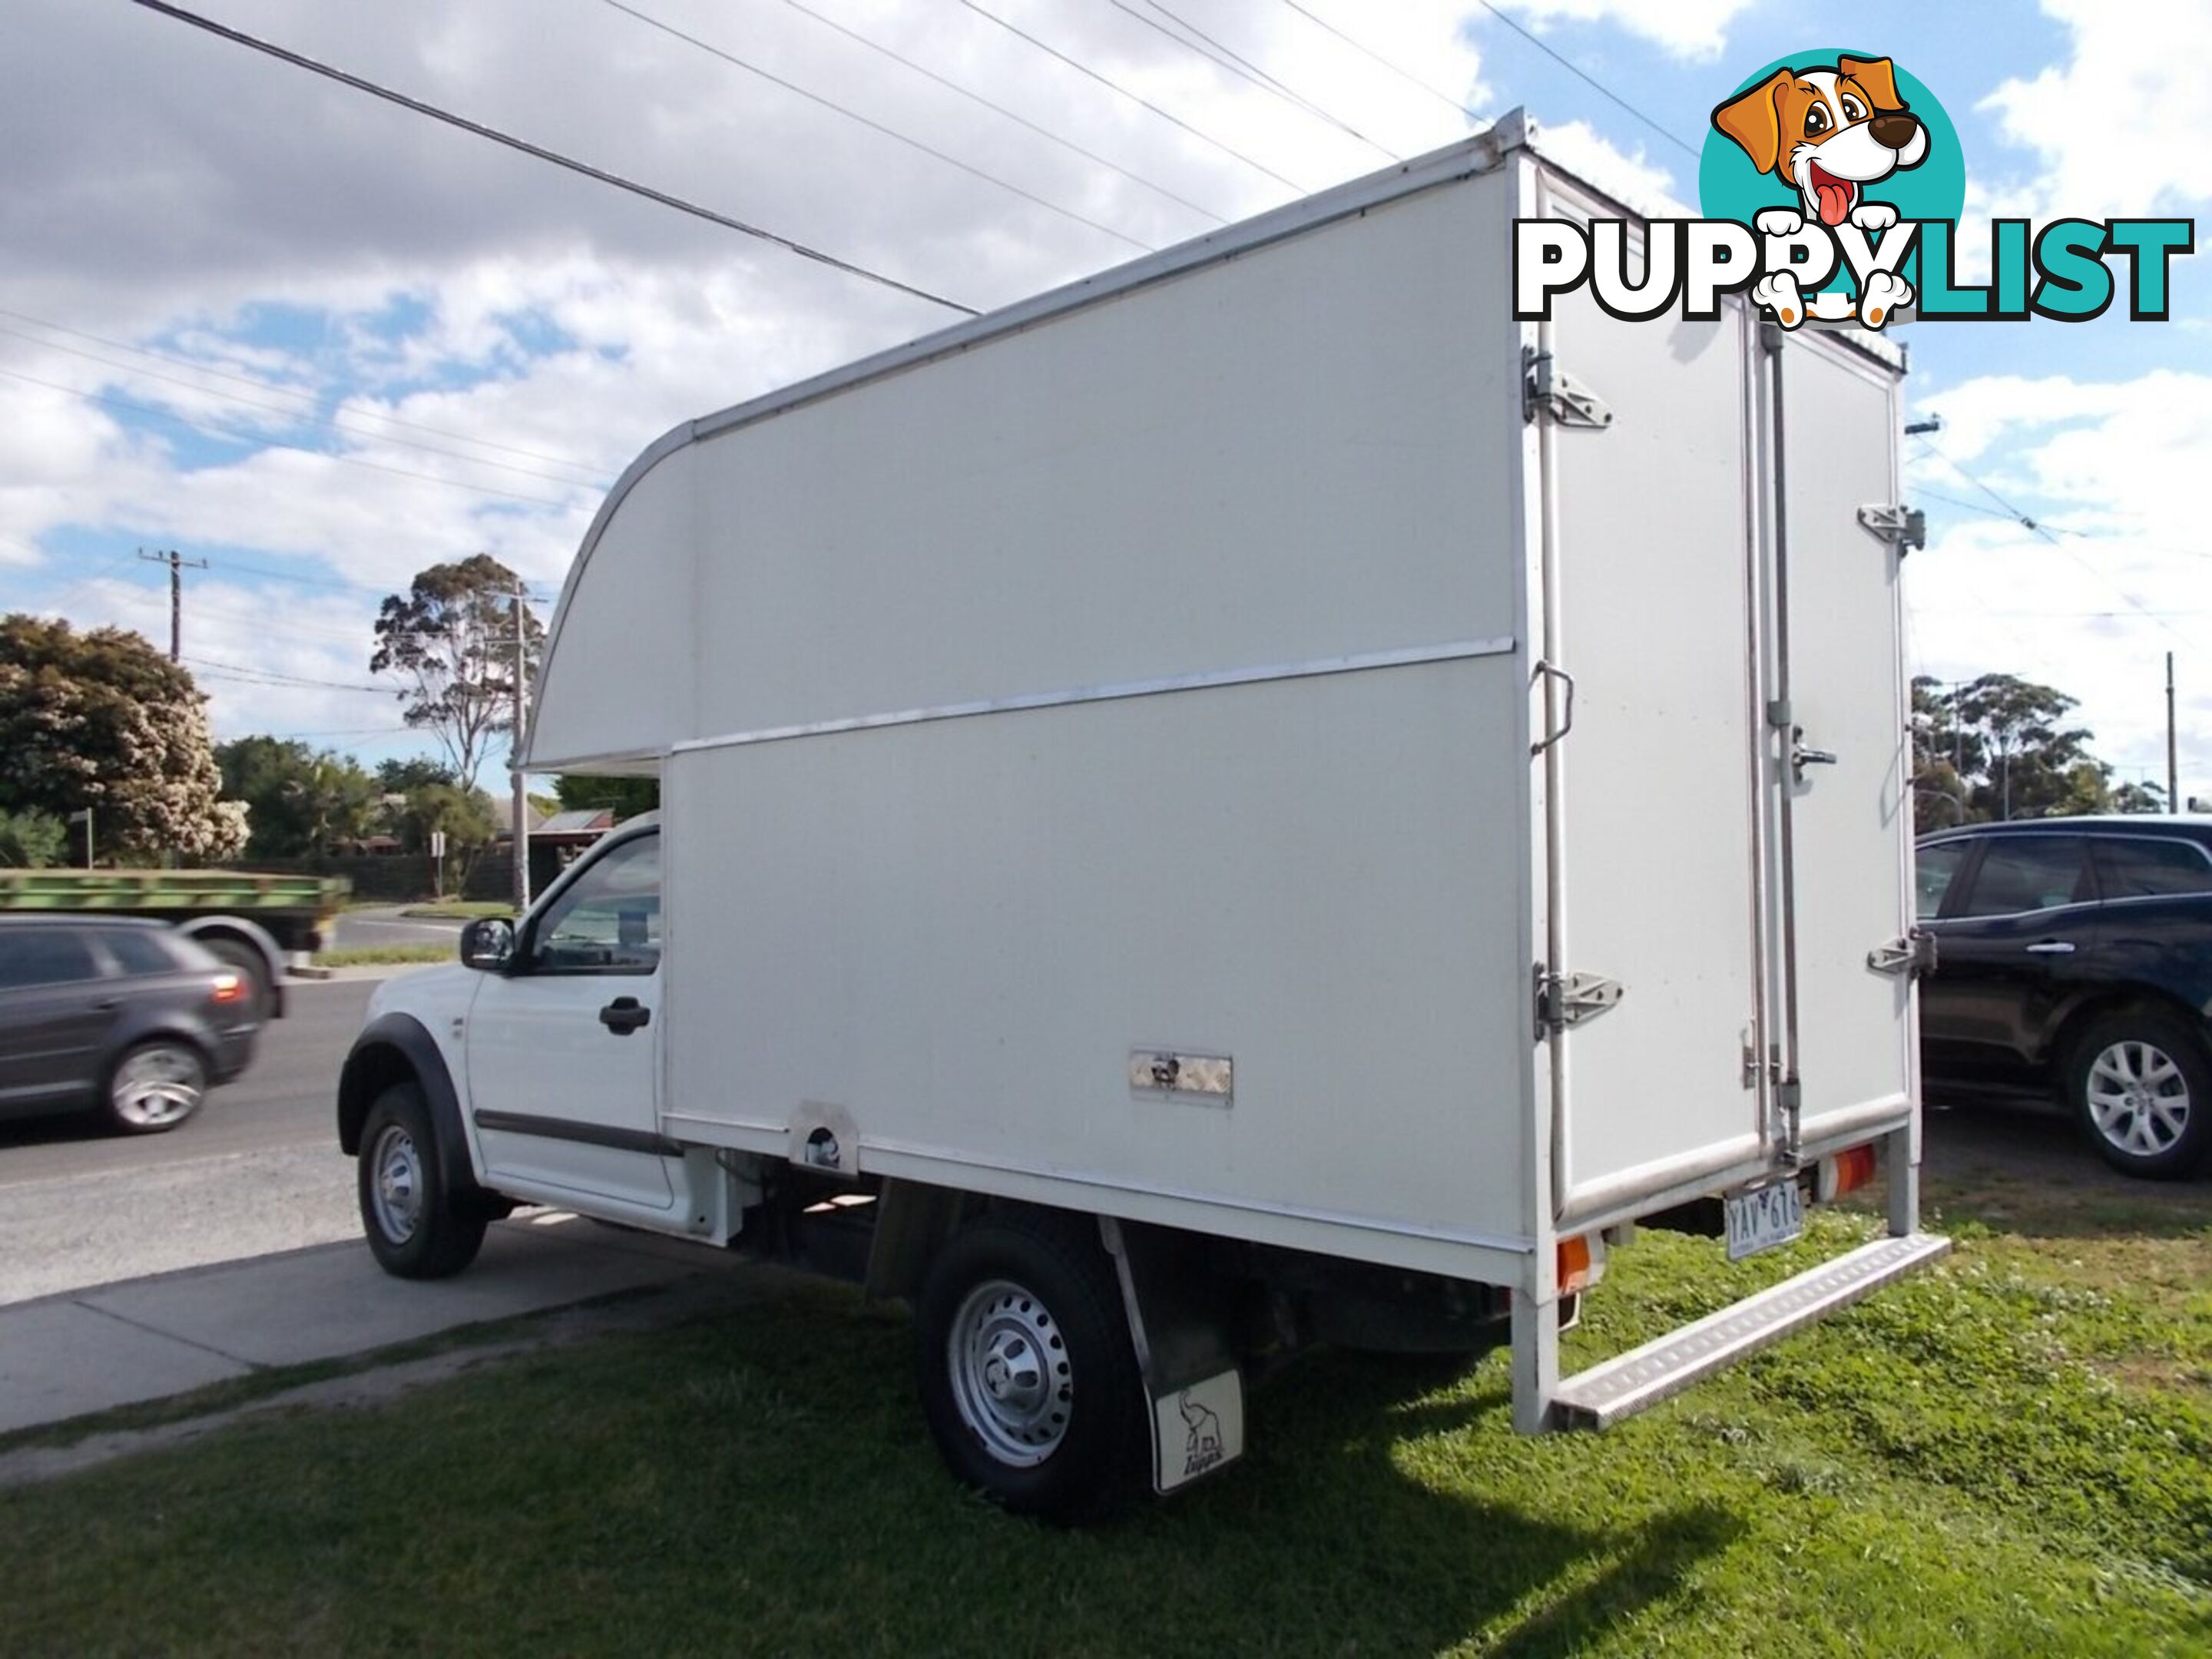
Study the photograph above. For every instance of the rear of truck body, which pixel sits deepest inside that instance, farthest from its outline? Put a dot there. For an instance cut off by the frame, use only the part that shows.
(1264, 744)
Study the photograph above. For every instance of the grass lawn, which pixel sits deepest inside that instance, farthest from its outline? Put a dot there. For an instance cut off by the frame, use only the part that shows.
(369, 955)
(2009, 1455)
(458, 910)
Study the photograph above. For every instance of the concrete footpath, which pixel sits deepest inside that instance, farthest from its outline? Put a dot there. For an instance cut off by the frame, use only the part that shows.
(94, 1349)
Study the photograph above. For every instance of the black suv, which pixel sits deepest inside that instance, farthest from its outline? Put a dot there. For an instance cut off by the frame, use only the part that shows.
(121, 1017)
(2075, 955)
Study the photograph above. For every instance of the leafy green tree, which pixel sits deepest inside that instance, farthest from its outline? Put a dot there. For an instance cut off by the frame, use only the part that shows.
(463, 814)
(103, 719)
(1999, 747)
(453, 636)
(298, 801)
(32, 840)
(628, 797)
(397, 777)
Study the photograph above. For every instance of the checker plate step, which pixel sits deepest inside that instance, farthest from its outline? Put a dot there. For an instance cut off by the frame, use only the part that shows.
(1618, 1387)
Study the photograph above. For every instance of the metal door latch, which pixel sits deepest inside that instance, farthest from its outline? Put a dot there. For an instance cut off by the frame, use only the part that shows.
(1547, 389)
(1906, 527)
(1553, 670)
(1565, 999)
(1913, 955)
(1801, 757)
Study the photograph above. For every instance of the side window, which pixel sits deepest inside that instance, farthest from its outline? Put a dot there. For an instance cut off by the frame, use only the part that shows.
(2134, 866)
(1934, 869)
(43, 956)
(2029, 873)
(140, 950)
(609, 922)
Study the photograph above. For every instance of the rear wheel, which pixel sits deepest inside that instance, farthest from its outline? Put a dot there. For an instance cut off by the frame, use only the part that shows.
(2140, 1085)
(416, 1212)
(1026, 1374)
(155, 1086)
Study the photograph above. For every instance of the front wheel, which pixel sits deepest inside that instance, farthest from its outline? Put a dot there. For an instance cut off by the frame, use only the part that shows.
(2141, 1089)
(1027, 1377)
(414, 1210)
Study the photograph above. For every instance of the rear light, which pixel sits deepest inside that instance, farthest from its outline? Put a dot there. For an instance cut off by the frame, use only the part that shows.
(1582, 1263)
(1844, 1172)
(229, 988)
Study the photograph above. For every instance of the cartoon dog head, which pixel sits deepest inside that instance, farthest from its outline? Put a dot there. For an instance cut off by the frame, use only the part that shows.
(1827, 132)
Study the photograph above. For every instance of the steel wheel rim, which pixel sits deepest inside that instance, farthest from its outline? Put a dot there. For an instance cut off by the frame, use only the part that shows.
(1012, 1377)
(395, 1184)
(156, 1087)
(2138, 1098)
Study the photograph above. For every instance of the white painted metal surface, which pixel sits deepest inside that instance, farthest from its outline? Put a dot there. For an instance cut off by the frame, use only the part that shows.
(955, 932)
(1851, 819)
(1152, 670)
(1653, 616)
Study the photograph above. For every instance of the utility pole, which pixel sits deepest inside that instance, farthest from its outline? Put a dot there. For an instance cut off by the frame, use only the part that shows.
(519, 840)
(2172, 777)
(178, 565)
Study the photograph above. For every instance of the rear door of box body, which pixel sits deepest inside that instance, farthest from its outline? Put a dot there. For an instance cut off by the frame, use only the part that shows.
(1842, 827)
(1670, 804)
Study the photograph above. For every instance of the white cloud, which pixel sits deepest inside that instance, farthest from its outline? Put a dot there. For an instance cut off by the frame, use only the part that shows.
(2119, 572)
(2123, 126)
(1686, 28)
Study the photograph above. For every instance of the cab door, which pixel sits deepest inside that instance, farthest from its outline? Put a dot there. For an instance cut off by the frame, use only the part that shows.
(563, 1047)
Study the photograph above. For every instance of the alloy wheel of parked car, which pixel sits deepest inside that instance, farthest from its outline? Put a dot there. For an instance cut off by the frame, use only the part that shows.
(2141, 1089)
(155, 1086)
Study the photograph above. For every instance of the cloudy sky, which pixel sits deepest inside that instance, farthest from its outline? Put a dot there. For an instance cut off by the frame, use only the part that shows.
(320, 342)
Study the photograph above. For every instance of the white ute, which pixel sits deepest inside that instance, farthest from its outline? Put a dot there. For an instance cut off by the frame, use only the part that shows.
(1254, 800)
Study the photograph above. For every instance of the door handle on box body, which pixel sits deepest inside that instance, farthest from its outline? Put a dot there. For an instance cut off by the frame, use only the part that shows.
(624, 1015)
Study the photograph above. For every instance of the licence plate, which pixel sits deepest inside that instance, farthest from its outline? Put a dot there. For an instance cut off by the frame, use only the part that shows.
(1760, 1217)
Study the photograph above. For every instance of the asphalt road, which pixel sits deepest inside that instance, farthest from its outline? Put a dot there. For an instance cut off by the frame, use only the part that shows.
(257, 1170)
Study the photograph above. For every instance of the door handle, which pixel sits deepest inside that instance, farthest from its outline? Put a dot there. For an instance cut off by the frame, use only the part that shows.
(624, 1015)
(2050, 947)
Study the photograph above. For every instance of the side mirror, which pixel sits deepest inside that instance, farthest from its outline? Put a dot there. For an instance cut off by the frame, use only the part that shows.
(488, 944)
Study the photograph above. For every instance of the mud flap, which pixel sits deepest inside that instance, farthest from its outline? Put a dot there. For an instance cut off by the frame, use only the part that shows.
(1178, 1323)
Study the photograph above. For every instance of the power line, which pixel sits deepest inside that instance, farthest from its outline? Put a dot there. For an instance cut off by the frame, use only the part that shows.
(1241, 66)
(1405, 74)
(1082, 67)
(2013, 516)
(1585, 75)
(1019, 120)
(260, 677)
(331, 421)
(873, 125)
(271, 387)
(2029, 523)
(295, 449)
(539, 151)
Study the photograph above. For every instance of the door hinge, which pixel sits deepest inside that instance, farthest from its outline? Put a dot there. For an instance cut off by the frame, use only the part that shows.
(1913, 955)
(1565, 999)
(1905, 527)
(1548, 389)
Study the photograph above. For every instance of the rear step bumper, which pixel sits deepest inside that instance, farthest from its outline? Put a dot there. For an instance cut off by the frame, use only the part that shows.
(1605, 1393)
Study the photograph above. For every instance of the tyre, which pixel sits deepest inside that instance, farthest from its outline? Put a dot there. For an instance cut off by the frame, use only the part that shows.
(154, 1086)
(2140, 1085)
(1027, 1377)
(250, 968)
(417, 1213)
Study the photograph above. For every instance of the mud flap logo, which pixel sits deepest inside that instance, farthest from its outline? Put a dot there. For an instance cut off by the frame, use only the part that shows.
(1196, 1430)
(1203, 1448)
